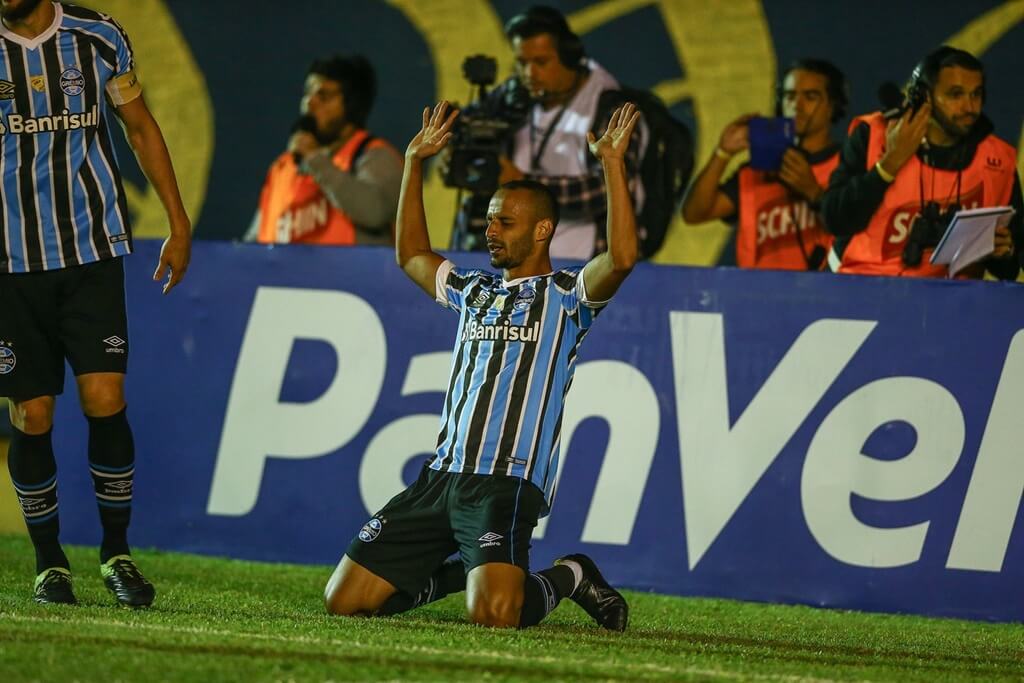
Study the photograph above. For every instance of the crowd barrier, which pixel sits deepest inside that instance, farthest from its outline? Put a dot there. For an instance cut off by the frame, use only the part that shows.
(792, 437)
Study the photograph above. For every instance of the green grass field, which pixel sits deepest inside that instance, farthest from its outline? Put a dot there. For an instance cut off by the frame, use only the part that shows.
(227, 620)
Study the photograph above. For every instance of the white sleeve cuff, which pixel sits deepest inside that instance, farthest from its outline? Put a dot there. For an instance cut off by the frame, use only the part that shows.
(441, 282)
(581, 294)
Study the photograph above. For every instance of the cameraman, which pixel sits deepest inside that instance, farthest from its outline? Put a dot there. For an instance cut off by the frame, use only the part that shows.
(899, 181)
(336, 183)
(776, 214)
(552, 146)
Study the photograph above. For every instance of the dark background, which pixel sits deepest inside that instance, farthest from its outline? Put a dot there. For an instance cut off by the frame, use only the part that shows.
(254, 57)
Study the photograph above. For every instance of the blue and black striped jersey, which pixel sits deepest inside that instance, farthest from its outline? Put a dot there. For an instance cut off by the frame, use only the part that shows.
(512, 366)
(61, 199)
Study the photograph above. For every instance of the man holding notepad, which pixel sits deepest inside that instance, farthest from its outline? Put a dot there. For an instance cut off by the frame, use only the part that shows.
(905, 174)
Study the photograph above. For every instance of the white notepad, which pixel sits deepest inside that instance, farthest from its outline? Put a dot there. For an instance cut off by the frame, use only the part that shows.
(970, 236)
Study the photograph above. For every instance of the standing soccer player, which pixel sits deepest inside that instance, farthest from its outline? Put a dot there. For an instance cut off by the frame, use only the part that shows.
(63, 228)
(493, 473)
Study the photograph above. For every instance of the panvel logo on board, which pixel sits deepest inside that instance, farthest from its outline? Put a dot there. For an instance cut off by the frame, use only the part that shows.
(722, 460)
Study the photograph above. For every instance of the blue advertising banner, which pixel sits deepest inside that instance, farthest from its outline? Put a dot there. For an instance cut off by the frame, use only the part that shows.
(841, 441)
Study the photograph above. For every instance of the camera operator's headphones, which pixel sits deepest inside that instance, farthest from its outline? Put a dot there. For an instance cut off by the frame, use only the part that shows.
(837, 89)
(540, 19)
(926, 73)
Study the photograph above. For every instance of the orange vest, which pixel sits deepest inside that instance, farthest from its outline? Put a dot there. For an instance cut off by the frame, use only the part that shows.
(294, 209)
(878, 249)
(769, 217)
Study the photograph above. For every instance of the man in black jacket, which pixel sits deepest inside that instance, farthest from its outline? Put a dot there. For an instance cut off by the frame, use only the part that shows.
(931, 161)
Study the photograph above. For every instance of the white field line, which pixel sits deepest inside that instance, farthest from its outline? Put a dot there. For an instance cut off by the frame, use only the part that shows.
(625, 667)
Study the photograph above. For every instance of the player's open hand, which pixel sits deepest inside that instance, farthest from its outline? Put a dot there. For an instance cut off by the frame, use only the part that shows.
(434, 134)
(174, 258)
(615, 141)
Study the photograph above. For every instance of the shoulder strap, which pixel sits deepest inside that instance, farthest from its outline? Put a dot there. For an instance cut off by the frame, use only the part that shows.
(361, 148)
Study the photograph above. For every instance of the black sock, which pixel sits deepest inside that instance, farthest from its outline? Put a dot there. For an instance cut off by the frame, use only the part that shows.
(112, 464)
(542, 592)
(449, 578)
(34, 475)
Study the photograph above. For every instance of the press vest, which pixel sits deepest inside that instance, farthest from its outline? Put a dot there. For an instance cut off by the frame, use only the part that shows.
(768, 218)
(293, 208)
(878, 249)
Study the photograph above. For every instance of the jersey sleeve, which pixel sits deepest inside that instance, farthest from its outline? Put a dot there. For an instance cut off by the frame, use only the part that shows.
(123, 86)
(452, 283)
(572, 289)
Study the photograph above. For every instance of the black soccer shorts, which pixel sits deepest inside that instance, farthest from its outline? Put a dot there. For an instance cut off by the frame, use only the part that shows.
(486, 518)
(75, 313)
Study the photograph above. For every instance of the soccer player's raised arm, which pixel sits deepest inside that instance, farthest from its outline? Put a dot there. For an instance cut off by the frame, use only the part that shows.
(412, 243)
(606, 271)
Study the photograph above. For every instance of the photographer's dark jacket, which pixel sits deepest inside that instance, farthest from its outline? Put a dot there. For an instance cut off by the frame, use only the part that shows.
(872, 219)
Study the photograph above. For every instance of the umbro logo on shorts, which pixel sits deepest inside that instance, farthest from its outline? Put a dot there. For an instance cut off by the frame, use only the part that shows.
(490, 539)
(114, 344)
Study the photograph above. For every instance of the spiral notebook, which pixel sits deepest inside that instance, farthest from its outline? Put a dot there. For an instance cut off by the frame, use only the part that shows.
(970, 236)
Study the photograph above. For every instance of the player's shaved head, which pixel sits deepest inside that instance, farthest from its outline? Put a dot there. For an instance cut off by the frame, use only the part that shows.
(542, 199)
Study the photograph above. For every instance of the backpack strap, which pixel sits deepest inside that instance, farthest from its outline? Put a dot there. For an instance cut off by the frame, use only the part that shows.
(361, 148)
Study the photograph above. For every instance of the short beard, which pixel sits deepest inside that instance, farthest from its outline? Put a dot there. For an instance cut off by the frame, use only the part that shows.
(330, 135)
(20, 12)
(950, 127)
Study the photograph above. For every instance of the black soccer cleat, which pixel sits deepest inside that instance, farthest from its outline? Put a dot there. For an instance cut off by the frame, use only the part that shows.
(53, 586)
(126, 582)
(598, 599)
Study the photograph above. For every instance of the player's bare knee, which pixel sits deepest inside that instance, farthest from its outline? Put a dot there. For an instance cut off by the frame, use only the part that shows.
(338, 599)
(32, 416)
(496, 611)
(102, 402)
(353, 591)
(341, 600)
(101, 394)
(338, 607)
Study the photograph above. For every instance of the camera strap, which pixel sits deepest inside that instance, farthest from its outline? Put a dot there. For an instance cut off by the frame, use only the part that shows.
(920, 182)
(817, 255)
(536, 155)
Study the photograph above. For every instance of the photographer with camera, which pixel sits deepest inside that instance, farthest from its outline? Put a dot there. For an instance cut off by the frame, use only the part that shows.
(776, 210)
(336, 184)
(550, 146)
(904, 173)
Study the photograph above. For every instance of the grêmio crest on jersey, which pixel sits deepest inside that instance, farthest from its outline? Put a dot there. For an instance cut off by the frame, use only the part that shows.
(60, 185)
